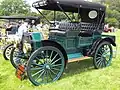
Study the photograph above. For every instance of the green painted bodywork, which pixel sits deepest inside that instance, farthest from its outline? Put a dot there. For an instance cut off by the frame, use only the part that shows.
(37, 36)
(73, 44)
(36, 39)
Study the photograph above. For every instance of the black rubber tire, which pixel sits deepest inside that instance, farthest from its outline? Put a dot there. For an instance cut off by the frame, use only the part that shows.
(4, 51)
(11, 58)
(19, 60)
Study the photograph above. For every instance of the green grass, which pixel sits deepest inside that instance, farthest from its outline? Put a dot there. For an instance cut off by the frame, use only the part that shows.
(78, 76)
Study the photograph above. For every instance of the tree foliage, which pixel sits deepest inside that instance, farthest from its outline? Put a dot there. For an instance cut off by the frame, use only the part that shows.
(50, 15)
(114, 4)
(112, 12)
(112, 22)
(13, 7)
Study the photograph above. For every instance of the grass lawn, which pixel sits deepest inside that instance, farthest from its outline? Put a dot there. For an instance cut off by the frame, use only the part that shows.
(78, 76)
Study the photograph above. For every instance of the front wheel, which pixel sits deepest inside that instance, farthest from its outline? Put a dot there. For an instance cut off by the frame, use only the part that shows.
(45, 65)
(17, 57)
(103, 55)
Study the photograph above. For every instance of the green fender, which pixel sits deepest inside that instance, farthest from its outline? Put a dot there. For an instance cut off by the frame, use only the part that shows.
(57, 45)
(111, 40)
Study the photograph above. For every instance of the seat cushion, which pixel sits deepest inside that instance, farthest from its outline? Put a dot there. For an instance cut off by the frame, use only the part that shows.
(56, 32)
(85, 34)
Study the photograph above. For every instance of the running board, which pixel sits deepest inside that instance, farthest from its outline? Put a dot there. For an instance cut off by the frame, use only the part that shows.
(78, 59)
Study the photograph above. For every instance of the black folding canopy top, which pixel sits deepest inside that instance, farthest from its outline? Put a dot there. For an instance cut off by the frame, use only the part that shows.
(19, 17)
(76, 6)
(67, 5)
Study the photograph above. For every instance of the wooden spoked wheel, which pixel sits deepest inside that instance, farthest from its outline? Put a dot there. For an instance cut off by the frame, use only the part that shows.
(45, 65)
(103, 55)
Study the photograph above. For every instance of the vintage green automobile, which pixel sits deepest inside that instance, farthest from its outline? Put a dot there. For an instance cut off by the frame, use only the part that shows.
(48, 58)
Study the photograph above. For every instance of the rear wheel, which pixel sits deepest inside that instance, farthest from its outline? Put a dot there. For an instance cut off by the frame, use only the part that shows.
(103, 55)
(17, 57)
(7, 51)
(45, 65)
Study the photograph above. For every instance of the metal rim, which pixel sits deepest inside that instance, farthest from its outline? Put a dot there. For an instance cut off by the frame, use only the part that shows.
(103, 55)
(45, 65)
(8, 51)
(17, 57)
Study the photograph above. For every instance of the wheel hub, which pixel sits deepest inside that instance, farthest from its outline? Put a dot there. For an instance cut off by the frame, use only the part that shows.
(47, 66)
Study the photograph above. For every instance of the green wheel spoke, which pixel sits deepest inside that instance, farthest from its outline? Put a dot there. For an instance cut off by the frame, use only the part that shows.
(98, 58)
(33, 69)
(56, 61)
(99, 64)
(53, 72)
(54, 57)
(46, 52)
(98, 61)
(51, 54)
(50, 75)
(43, 76)
(38, 59)
(104, 62)
(40, 75)
(43, 56)
(37, 73)
(37, 64)
(99, 54)
(57, 65)
(46, 60)
(56, 69)
(47, 77)
(100, 51)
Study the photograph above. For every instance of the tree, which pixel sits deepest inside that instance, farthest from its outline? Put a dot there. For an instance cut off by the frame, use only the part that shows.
(59, 16)
(113, 11)
(50, 15)
(112, 22)
(114, 4)
(13, 7)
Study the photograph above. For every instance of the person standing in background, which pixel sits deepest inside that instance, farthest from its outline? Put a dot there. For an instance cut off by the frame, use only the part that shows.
(23, 29)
